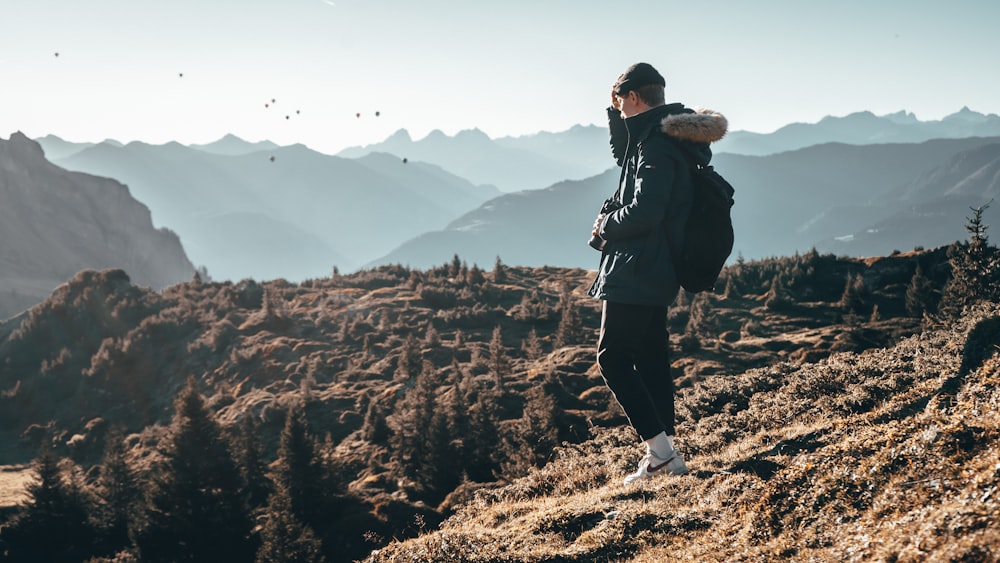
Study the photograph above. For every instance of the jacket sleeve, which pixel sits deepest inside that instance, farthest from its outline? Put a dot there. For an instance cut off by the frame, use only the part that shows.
(655, 177)
(618, 134)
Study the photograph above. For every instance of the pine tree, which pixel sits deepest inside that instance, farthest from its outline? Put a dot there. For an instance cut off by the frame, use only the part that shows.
(730, 291)
(474, 277)
(443, 466)
(408, 425)
(249, 453)
(423, 443)
(298, 472)
(853, 298)
(499, 271)
(374, 429)
(975, 269)
(431, 337)
(570, 329)
(532, 308)
(777, 295)
(119, 491)
(53, 524)
(481, 437)
(410, 358)
(919, 294)
(534, 437)
(194, 510)
(284, 537)
(499, 361)
(532, 346)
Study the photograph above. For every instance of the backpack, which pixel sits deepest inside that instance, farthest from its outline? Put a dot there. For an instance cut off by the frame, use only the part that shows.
(708, 234)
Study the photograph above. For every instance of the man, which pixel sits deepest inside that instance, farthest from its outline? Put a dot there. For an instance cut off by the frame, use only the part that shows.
(655, 144)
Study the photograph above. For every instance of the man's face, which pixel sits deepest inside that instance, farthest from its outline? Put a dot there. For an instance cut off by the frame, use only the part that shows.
(629, 103)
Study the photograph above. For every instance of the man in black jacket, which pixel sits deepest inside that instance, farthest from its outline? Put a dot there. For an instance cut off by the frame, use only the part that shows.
(655, 144)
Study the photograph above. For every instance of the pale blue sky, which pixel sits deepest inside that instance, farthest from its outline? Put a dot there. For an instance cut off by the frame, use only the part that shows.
(511, 67)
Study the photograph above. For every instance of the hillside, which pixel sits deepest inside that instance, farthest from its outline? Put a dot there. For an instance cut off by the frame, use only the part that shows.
(922, 210)
(506, 355)
(888, 455)
(54, 222)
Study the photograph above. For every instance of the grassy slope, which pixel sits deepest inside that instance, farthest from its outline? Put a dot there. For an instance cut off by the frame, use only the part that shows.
(887, 455)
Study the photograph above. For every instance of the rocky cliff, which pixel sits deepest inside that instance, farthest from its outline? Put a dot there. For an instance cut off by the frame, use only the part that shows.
(54, 223)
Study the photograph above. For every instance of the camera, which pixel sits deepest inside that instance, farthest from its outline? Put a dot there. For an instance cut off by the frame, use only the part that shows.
(610, 206)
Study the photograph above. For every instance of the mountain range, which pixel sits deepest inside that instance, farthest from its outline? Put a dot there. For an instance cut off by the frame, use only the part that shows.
(848, 199)
(540, 160)
(259, 210)
(262, 211)
(510, 163)
(862, 128)
(54, 223)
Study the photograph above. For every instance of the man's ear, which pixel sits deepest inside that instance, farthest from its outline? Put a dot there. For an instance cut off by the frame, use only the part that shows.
(637, 99)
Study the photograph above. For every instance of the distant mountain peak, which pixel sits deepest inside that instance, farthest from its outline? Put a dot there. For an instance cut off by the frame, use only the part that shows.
(967, 115)
(474, 132)
(400, 135)
(851, 116)
(231, 144)
(902, 117)
(24, 147)
(19, 137)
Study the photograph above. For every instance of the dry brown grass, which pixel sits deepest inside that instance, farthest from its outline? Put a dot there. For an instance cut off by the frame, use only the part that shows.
(889, 455)
(14, 481)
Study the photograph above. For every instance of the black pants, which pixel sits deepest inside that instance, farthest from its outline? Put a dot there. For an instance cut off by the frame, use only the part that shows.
(633, 353)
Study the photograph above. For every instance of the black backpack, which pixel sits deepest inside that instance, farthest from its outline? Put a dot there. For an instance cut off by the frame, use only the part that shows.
(708, 234)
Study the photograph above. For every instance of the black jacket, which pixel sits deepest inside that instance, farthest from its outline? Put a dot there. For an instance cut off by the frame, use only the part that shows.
(655, 149)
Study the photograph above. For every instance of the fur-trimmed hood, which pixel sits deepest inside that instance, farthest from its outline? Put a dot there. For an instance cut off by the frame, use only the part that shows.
(694, 129)
(702, 126)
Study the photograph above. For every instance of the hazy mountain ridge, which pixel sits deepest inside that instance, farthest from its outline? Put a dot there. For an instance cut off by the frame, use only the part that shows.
(542, 159)
(530, 228)
(927, 210)
(54, 223)
(785, 203)
(351, 210)
(234, 146)
(510, 163)
(862, 128)
(826, 194)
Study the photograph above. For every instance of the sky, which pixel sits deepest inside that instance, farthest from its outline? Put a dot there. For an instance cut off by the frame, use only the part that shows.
(346, 73)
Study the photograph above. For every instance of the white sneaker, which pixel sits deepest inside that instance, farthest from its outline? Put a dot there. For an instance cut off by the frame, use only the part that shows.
(651, 465)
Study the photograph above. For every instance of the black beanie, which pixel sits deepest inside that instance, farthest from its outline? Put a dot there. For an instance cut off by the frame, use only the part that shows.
(637, 76)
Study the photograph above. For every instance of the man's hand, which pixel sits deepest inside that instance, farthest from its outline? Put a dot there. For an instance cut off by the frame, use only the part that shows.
(597, 225)
(615, 100)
